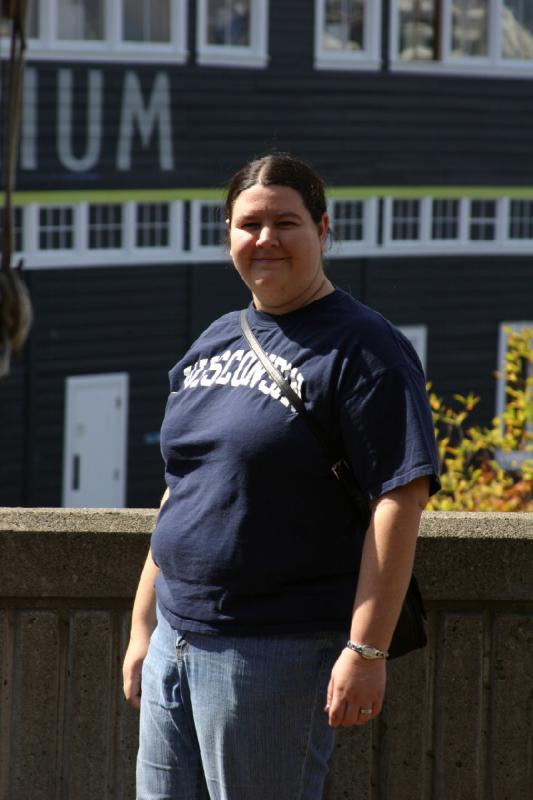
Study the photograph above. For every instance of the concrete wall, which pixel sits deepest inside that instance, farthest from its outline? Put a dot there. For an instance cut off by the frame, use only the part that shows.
(458, 722)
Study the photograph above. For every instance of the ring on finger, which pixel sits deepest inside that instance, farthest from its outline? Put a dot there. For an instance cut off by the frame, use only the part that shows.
(365, 711)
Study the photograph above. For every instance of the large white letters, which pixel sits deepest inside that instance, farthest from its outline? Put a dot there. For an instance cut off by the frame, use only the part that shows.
(93, 130)
(241, 368)
(134, 112)
(28, 126)
(150, 117)
(241, 374)
(226, 373)
(214, 367)
(192, 374)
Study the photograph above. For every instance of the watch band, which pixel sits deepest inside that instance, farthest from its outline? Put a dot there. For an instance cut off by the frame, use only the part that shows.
(366, 650)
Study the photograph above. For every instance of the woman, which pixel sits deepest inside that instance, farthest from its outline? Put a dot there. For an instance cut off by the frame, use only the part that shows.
(259, 566)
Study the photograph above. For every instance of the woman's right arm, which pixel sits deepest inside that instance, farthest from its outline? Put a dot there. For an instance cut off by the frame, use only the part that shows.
(143, 621)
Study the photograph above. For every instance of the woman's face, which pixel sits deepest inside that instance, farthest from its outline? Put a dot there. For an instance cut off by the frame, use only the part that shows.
(277, 247)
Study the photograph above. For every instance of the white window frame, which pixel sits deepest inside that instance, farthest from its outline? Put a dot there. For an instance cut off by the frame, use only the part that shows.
(368, 58)
(254, 55)
(377, 217)
(18, 253)
(492, 65)
(81, 256)
(389, 222)
(426, 245)
(418, 336)
(348, 247)
(113, 251)
(61, 256)
(173, 225)
(492, 221)
(520, 245)
(200, 252)
(504, 458)
(461, 231)
(112, 47)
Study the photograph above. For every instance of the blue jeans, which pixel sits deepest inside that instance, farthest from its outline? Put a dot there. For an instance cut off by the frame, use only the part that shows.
(235, 718)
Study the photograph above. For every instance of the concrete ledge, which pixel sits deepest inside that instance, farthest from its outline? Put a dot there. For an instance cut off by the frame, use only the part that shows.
(75, 552)
(457, 721)
(77, 520)
(72, 552)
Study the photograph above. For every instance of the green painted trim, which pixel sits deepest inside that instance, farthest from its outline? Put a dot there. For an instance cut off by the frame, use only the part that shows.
(481, 192)
(116, 196)
(163, 195)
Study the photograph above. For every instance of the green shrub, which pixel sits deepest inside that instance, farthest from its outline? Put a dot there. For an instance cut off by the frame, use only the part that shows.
(475, 474)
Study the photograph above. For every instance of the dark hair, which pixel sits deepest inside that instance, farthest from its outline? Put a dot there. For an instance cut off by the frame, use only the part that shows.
(280, 169)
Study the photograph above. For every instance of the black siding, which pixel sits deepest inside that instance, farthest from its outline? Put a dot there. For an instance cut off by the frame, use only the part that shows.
(357, 127)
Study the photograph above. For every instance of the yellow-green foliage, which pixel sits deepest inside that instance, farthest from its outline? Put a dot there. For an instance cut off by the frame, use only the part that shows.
(472, 477)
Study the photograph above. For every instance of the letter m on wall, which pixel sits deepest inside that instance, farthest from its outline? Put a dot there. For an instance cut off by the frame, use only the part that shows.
(147, 117)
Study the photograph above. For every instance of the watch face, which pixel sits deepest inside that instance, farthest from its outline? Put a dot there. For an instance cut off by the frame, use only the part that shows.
(371, 652)
(367, 651)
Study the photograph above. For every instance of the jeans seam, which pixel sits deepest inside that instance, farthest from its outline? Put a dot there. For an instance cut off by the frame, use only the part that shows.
(202, 789)
(314, 710)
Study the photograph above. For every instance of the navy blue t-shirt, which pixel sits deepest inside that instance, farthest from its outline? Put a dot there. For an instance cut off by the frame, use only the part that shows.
(257, 536)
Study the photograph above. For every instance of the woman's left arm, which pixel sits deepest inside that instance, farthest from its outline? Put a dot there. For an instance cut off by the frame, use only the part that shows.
(387, 561)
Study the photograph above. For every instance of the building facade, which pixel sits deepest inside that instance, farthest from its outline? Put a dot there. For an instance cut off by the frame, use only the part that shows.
(419, 114)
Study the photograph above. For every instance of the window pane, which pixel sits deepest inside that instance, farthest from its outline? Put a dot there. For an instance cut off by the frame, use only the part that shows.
(32, 19)
(228, 22)
(146, 20)
(56, 228)
(405, 220)
(152, 225)
(348, 220)
(344, 25)
(521, 219)
(418, 26)
(81, 19)
(212, 225)
(105, 226)
(517, 29)
(469, 28)
(483, 220)
(445, 219)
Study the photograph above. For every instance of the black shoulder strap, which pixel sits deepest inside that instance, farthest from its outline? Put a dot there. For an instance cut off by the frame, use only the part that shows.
(339, 466)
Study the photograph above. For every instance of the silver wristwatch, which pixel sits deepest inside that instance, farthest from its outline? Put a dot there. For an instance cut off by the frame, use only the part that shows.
(366, 650)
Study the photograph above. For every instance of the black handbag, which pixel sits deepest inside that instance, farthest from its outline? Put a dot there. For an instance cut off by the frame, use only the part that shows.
(410, 632)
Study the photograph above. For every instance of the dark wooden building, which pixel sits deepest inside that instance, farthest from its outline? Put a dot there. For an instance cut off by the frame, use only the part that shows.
(418, 114)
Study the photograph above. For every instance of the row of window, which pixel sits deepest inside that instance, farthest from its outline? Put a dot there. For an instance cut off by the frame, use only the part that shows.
(408, 224)
(456, 34)
(228, 31)
(81, 234)
(141, 232)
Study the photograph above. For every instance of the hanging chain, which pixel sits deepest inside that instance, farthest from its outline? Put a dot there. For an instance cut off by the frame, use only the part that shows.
(15, 305)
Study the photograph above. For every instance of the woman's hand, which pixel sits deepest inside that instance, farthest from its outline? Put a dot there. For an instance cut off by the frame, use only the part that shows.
(132, 668)
(356, 685)
(143, 622)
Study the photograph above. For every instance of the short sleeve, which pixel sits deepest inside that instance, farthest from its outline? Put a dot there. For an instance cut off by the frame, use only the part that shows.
(388, 433)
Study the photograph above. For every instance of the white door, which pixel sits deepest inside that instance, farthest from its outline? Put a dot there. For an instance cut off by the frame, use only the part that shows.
(95, 442)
